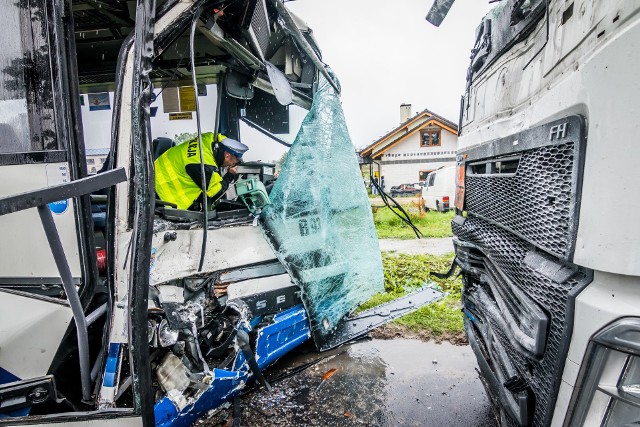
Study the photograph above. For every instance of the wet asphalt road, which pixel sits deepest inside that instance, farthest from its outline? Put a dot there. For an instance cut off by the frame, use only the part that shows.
(399, 382)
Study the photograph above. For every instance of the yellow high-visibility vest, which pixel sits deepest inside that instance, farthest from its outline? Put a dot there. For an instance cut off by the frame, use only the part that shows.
(173, 183)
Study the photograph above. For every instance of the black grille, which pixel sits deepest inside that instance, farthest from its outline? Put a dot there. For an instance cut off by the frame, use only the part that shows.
(519, 220)
(507, 252)
(535, 203)
(260, 27)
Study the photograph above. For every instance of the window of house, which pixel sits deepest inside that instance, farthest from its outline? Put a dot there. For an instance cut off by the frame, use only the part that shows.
(91, 161)
(430, 137)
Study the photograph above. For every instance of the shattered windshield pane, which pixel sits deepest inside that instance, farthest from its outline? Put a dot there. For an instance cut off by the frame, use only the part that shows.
(319, 221)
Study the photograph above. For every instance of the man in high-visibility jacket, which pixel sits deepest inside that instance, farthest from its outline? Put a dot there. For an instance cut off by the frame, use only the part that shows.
(179, 176)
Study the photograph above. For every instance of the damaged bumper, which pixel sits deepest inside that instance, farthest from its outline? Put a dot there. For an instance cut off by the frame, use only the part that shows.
(288, 330)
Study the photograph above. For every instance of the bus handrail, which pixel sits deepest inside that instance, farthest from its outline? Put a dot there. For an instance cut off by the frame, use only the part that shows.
(40, 199)
(55, 193)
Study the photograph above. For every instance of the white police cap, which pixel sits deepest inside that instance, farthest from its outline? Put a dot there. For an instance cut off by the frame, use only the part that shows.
(236, 148)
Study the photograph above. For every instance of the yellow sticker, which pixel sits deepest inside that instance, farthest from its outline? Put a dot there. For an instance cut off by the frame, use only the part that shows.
(187, 98)
(180, 116)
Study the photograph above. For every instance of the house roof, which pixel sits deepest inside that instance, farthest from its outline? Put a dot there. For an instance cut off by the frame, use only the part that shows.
(96, 151)
(404, 130)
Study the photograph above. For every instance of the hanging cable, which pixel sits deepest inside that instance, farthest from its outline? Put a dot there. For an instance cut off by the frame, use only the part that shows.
(403, 215)
(204, 183)
(174, 72)
(265, 132)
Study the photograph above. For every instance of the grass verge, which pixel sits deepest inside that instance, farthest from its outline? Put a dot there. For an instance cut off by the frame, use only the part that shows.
(404, 274)
(431, 224)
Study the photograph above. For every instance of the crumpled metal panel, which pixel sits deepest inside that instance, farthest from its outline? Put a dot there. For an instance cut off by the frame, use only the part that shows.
(320, 222)
(288, 330)
(507, 252)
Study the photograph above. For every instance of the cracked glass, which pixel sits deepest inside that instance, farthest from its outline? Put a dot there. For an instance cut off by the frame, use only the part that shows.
(320, 222)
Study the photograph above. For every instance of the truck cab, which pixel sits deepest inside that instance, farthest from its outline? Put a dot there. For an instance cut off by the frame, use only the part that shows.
(546, 207)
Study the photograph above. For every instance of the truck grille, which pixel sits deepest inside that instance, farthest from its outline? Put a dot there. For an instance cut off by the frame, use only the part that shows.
(508, 253)
(515, 248)
(535, 203)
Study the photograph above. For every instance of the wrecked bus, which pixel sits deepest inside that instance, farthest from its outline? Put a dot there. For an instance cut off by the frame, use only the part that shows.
(546, 228)
(178, 309)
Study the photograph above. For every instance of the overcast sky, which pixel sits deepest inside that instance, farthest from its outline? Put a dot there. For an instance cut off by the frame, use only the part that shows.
(385, 54)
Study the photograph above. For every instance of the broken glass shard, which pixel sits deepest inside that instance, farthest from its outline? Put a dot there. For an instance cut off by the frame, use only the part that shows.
(320, 222)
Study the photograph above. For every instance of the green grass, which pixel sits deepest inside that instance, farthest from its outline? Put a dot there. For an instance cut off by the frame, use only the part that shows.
(441, 317)
(431, 224)
(404, 274)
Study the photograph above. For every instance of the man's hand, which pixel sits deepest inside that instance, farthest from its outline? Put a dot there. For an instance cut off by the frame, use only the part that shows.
(231, 176)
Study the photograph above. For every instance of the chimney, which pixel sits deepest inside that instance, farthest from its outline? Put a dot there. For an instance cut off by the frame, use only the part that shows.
(405, 112)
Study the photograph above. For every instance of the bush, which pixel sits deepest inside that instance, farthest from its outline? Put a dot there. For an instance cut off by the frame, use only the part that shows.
(404, 274)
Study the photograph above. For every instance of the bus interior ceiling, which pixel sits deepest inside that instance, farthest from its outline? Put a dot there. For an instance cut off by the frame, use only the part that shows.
(230, 36)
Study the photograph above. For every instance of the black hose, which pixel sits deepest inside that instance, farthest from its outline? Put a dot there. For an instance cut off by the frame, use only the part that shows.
(243, 342)
(403, 215)
(205, 216)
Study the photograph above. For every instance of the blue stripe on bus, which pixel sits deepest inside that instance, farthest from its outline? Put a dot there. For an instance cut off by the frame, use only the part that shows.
(111, 367)
(8, 377)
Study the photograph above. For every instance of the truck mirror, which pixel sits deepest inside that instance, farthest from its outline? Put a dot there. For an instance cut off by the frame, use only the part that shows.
(439, 11)
(238, 85)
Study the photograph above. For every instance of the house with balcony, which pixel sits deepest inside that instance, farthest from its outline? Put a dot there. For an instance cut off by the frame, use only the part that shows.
(420, 144)
(95, 159)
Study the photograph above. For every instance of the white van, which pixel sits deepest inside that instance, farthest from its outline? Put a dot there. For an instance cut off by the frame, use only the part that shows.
(440, 189)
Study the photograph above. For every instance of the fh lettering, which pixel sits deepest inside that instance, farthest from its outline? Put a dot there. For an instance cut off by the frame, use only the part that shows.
(558, 132)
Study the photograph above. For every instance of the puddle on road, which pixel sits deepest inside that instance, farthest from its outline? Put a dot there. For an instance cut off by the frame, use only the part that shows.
(400, 382)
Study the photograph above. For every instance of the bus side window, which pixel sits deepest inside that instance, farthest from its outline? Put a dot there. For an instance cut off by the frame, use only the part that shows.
(26, 88)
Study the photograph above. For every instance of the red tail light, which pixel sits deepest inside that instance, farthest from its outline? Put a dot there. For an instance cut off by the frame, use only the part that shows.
(101, 258)
(460, 165)
(445, 199)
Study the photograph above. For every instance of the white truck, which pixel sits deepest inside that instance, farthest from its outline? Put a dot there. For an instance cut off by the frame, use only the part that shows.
(546, 232)
(439, 189)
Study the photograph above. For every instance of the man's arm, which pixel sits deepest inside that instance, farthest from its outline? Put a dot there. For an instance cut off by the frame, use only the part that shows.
(216, 184)
(194, 171)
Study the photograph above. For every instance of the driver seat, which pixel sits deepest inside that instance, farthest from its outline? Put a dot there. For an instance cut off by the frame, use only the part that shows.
(160, 145)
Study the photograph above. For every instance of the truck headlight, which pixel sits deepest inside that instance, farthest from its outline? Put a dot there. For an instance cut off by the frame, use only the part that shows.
(608, 387)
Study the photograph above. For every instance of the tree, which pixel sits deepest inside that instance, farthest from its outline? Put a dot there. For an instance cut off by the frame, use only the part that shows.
(184, 136)
(282, 159)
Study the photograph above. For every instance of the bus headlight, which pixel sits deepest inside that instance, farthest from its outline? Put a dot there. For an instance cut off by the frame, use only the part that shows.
(608, 387)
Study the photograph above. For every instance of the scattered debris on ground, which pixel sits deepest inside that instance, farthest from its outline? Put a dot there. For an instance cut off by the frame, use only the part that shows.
(441, 320)
(368, 383)
(394, 330)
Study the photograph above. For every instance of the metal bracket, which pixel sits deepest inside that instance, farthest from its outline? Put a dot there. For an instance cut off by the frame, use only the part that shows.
(352, 328)
(26, 393)
(55, 193)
